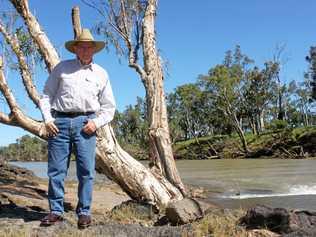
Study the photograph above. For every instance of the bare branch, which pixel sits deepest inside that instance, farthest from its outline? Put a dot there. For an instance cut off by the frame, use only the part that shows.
(124, 18)
(110, 21)
(94, 7)
(4, 118)
(24, 69)
(4, 88)
(17, 117)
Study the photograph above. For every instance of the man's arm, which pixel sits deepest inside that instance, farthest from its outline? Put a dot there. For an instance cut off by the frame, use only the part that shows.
(107, 103)
(49, 92)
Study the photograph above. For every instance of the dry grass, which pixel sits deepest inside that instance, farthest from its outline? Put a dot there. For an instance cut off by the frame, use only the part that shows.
(128, 215)
(11, 231)
(219, 223)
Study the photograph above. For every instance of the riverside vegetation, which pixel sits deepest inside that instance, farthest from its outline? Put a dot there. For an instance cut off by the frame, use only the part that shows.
(277, 142)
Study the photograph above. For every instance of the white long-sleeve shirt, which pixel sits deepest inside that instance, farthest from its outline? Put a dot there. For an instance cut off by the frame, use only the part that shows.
(73, 87)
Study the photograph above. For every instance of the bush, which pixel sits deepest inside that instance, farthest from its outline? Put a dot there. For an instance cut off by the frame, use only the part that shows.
(278, 125)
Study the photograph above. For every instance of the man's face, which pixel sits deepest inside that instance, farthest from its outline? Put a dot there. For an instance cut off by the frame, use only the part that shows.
(84, 51)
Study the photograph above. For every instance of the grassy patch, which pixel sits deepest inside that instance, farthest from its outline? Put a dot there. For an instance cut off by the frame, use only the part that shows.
(277, 143)
(199, 148)
(10, 231)
(219, 223)
(129, 214)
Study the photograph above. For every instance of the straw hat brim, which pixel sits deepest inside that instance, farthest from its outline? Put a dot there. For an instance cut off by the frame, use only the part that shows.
(99, 45)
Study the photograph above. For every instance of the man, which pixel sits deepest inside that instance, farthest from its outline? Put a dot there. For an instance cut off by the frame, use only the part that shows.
(77, 100)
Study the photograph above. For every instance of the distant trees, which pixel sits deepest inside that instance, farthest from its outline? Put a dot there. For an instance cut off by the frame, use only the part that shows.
(311, 59)
(188, 112)
(239, 95)
(26, 148)
(225, 83)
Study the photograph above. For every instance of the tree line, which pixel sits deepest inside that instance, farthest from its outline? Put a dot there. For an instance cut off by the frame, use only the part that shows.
(236, 96)
(26, 148)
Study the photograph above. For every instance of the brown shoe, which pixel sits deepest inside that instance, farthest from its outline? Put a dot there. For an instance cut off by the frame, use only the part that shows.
(84, 221)
(51, 219)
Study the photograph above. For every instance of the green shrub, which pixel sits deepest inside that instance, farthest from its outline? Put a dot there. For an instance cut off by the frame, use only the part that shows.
(278, 125)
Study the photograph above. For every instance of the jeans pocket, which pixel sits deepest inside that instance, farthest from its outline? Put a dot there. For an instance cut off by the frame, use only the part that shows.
(91, 116)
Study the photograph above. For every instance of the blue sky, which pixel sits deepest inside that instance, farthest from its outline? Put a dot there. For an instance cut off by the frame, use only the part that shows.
(192, 36)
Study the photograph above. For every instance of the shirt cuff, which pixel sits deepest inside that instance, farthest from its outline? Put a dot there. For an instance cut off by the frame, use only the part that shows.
(48, 118)
(98, 121)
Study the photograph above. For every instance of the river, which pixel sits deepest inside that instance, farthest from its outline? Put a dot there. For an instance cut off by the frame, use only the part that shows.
(239, 183)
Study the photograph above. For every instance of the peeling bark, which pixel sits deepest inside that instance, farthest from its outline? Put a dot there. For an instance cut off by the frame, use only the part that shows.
(159, 142)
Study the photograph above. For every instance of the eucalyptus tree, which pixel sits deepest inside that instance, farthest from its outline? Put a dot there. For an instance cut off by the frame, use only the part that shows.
(151, 185)
(224, 82)
(258, 94)
(189, 108)
(129, 25)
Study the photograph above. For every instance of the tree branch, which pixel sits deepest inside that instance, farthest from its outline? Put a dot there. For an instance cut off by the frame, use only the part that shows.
(4, 118)
(17, 117)
(124, 18)
(24, 69)
(46, 48)
(5, 90)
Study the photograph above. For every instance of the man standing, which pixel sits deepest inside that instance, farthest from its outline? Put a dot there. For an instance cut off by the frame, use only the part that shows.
(77, 100)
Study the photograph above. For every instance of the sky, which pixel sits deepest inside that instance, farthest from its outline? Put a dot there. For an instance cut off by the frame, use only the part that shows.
(192, 37)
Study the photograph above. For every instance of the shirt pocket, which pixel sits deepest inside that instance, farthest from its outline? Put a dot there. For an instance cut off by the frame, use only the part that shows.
(67, 81)
(67, 85)
(91, 86)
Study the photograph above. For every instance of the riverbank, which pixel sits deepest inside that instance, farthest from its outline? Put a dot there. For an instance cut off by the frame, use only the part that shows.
(288, 143)
(23, 202)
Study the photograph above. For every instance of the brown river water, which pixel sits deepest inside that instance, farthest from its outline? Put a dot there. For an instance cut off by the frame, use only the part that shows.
(240, 183)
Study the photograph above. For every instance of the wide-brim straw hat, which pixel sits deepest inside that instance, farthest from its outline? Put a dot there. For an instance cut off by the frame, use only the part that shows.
(85, 36)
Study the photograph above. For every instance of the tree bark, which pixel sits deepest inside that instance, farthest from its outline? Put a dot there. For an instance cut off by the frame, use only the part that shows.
(238, 128)
(241, 134)
(159, 142)
(253, 126)
(261, 119)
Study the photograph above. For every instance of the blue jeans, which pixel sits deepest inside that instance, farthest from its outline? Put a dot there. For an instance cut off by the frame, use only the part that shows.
(71, 136)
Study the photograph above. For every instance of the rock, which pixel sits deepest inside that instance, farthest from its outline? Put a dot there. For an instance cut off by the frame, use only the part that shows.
(262, 233)
(109, 229)
(196, 191)
(186, 210)
(11, 173)
(274, 219)
(140, 209)
(280, 220)
(302, 233)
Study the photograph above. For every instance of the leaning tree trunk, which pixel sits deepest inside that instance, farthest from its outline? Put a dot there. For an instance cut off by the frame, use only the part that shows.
(159, 136)
(261, 119)
(112, 160)
(237, 126)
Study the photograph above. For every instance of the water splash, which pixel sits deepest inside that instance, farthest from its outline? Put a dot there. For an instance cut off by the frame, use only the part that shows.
(294, 190)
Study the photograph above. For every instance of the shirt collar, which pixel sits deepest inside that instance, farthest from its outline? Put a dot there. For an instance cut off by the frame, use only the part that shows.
(88, 66)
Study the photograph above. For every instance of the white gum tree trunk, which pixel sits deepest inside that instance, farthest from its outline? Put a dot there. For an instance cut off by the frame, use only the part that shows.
(134, 178)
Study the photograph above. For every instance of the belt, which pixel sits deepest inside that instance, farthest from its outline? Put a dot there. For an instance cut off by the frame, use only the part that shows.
(71, 114)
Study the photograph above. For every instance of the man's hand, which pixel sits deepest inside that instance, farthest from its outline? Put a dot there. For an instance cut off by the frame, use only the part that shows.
(90, 127)
(51, 129)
